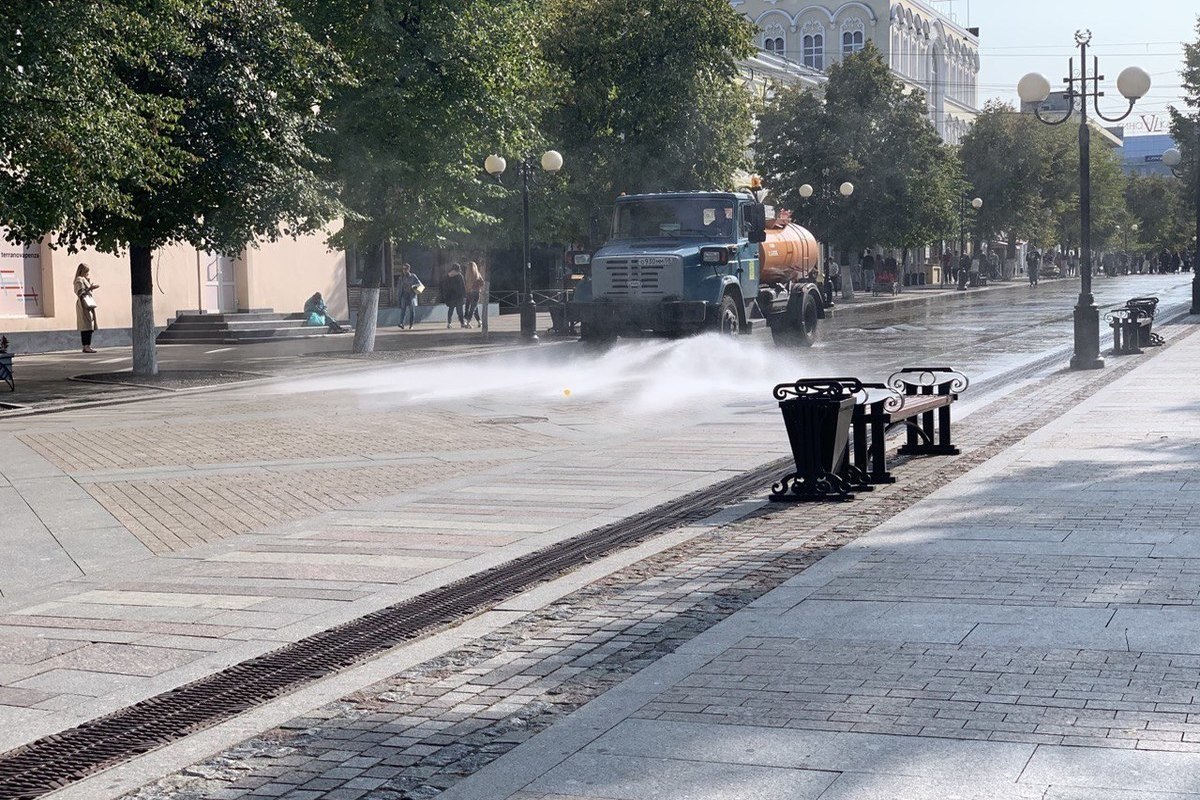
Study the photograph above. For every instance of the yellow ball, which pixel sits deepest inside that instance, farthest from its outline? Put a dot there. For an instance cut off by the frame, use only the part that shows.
(566, 392)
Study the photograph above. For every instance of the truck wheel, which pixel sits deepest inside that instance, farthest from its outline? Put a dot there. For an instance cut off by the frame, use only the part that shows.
(593, 334)
(802, 331)
(727, 322)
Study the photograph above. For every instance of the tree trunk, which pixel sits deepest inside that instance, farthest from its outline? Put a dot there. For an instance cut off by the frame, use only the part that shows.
(368, 307)
(141, 280)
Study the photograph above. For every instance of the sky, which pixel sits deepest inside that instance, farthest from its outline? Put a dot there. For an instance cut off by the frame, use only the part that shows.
(1020, 36)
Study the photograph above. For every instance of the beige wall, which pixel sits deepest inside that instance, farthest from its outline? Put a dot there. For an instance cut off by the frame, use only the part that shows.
(279, 275)
(284, 274)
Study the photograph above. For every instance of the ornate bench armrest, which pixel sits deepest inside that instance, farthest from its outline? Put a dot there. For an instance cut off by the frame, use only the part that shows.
(939, 380)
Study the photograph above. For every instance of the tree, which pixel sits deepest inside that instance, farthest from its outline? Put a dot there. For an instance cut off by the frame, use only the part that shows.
(1028, 176)
(227, 92)
(867, 129)
(647, 99)
(1004, 162)
(1108, 188)
(1185, 129)
(72, 127)
(1154, 202)
(435, 87)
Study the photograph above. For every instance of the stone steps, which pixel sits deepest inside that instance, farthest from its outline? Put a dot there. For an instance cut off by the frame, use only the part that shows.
(238, 328)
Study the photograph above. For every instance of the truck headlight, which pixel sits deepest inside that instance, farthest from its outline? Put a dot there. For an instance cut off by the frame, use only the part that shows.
(714, 255)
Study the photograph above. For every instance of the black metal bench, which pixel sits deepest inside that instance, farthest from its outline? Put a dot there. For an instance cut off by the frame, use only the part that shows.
(1147, 307)
(1127, 323)
(918, 398)
(837, 429)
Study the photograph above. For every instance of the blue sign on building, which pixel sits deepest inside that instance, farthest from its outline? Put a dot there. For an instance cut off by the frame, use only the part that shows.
(1142, 155)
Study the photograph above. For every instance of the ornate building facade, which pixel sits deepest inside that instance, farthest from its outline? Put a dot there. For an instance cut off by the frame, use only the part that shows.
(924, 47)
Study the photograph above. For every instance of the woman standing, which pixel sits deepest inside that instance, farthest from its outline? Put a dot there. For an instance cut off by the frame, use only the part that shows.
(474, 289)
(85, 306)
(454, 292)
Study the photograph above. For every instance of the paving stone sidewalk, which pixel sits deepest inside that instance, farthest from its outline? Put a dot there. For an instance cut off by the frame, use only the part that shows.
(964, 646)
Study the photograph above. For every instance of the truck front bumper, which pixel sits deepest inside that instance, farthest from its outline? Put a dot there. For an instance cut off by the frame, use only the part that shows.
(667, 316)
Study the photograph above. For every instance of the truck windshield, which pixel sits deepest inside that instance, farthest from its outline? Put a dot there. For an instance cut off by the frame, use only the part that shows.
(654, 218)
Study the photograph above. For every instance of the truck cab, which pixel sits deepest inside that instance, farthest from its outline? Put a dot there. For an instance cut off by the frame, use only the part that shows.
(675, 263)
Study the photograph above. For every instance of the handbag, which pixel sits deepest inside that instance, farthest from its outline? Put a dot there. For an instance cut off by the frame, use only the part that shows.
(419, 288)
(88, 301)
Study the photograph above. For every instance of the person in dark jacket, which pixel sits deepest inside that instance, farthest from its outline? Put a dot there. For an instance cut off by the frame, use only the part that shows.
(1164, 261)
(454, 294)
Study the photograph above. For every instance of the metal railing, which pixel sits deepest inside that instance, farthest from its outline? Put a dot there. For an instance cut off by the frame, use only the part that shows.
(544, 299)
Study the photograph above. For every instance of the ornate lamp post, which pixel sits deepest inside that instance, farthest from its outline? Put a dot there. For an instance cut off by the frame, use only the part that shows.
(1174, 159)
(1133, 84)
(975, 203)
(806, 192)
(551, 161)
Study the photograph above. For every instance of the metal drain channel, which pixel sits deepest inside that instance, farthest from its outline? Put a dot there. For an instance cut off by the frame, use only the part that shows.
(60, 759)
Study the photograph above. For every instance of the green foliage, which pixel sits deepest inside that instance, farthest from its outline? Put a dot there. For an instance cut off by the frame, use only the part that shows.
(183, 121)
(647, 100)
(1108, 188)
(872, 132)
(1028, 176)
(435, 87)
(1155, 204)
(73, 126)
(1185, 129)
(1004, 162)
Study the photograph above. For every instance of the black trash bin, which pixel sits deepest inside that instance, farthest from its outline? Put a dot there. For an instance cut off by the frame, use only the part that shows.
(817, 414)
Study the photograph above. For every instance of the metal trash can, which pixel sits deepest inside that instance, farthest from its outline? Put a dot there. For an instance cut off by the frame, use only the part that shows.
(817, 415)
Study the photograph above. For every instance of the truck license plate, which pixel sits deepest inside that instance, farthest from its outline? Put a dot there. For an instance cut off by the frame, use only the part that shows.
(655, 262)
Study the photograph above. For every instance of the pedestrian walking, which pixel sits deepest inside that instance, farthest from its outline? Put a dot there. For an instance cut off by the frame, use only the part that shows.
(868, 272)
(409, 287)
(85, 306)
(947, 266)
(454, 294)
(474, 290)
(1073, 265)
(1164, 261)
(1033, 263)
(833, 271)
(1176, 261)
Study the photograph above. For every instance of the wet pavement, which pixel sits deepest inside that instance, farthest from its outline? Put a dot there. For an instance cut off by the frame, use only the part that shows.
(164, 540)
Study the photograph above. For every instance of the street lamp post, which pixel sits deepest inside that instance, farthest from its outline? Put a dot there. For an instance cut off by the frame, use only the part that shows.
(1174, 159)
(806, 192)
(1134, 84)
(551, 161)
(975, 203)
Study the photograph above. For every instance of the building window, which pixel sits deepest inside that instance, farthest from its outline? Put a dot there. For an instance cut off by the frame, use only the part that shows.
(814, 51)
(852, 42)
(774, 45)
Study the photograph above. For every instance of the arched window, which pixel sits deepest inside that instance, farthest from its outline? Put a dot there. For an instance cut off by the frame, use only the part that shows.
(852, 36)
(814, 51)
(773, 39)
(852, 42)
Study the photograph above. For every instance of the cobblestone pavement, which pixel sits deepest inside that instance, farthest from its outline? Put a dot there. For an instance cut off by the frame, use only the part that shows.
(424, 731)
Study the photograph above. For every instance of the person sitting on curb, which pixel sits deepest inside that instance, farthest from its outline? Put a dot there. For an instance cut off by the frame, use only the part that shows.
(318, 314)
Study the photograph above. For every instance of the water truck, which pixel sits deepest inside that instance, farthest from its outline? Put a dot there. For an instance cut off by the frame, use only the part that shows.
(681, 263)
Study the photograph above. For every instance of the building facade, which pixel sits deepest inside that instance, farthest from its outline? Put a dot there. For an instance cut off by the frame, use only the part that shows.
(37, 302)
(925, 48)
(1143, 155)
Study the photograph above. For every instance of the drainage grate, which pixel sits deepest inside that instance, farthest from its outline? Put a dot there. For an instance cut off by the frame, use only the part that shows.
(63, 758)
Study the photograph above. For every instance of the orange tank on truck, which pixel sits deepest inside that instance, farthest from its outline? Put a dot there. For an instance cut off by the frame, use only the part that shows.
(788, 254)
